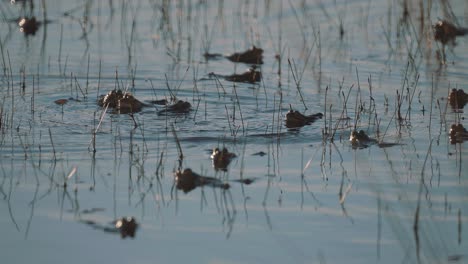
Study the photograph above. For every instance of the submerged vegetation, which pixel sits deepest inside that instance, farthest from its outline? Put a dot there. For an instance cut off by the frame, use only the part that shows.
(349, 120)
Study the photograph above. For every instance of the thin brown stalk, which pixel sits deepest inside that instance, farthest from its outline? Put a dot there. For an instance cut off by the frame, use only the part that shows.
(52, 143)
(297, 80)
(240, 111)
(179, 148)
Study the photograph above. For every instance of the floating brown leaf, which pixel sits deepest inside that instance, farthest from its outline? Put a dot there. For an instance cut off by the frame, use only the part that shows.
(61, 101)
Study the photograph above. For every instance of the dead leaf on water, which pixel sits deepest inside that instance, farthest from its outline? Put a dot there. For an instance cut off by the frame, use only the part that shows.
(61, 101)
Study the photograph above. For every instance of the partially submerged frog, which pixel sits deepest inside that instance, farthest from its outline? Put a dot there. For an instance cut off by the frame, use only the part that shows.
(294, 119)
(446, 32)
(222, 158)
(361, 139)
(123, 102)
(252, 56)
(29, 26)
(188, 180)
(126, 226)
(111, 99)
(251, 75)
(129, 104)
(458, 134)
(179, 107)
(458, 98)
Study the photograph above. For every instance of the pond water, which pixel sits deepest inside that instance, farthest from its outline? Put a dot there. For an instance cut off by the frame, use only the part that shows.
(70, 171)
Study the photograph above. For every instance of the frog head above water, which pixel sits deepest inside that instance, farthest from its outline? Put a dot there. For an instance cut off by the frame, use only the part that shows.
(127, 226)
(222, 158)
(361, 139)
(295, 119)
(123, 102)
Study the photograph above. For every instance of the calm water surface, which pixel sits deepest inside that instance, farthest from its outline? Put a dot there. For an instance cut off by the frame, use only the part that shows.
(314, 198)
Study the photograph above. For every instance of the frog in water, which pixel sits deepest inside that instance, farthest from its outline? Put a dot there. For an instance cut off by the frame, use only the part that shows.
(29, 26)
(253, 56)
(446, 32)
(458, 133)
(222, 158)
(361, 139)
(251, 75)
(295, 119)
(126, 103)
(458, 98)
(179, 107)
(123, 102)
(250, 56)
(188, 180)
(126, 226)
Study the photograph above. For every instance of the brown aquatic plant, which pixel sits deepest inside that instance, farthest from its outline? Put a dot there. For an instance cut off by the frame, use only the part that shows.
(458, 98)
(295, 119)
(222, 158)
(251, 56)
